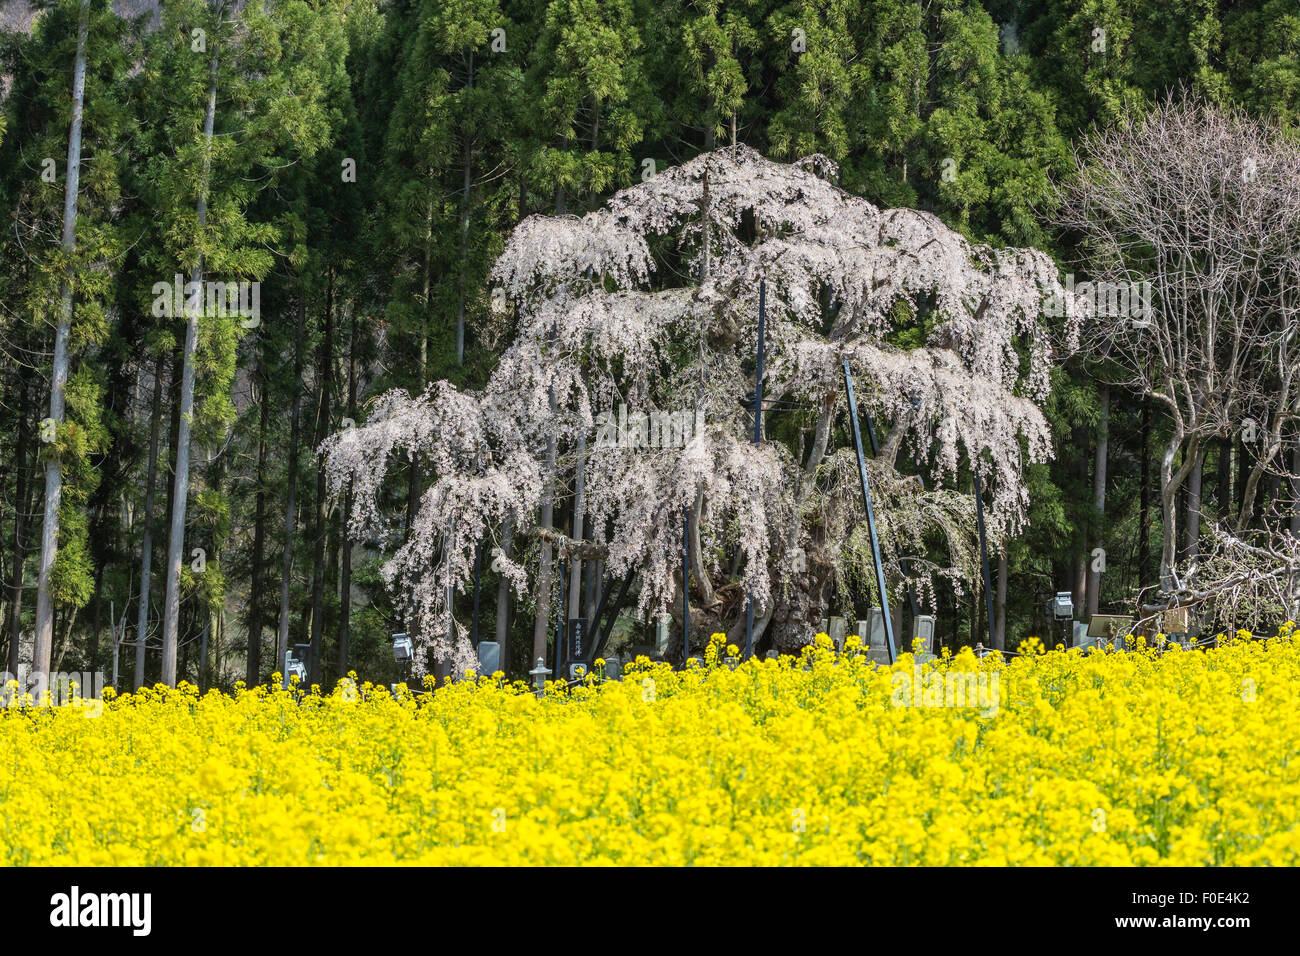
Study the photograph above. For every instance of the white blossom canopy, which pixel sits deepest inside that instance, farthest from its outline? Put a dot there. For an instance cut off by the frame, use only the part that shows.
(651, 302)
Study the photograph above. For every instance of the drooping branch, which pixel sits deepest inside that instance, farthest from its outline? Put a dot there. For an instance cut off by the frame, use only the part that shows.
(634, 331)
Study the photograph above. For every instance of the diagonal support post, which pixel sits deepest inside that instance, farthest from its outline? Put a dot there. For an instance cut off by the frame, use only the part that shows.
(871, 515)
(984, 551)
(686, 586)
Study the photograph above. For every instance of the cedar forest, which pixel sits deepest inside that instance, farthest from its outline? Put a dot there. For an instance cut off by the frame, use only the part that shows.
(397, 184)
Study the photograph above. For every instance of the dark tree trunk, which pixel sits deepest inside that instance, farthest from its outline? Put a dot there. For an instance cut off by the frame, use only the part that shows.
(503, 602)
(21, 467)
(96, 615)
(1181, 509)
(468, 179)
(1192, 533)
(345, 573)
(286, 567)
(1000, 605)
(541, 623)
(577, 531)
(257, 570)
(174, 425)
(325, 374)
(1223, 481)
(1079, 569)
(146, 542)
(1099, 501)
(1144, 498)
(1295, 489)
(203, 611)
(955, 641)
(1243, 474)
(332, 560)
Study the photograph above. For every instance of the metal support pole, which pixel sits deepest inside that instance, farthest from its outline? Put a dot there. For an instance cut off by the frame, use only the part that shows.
(871, 515)
(758, 440)
(984, 551)
(686, 585)
(478, 577)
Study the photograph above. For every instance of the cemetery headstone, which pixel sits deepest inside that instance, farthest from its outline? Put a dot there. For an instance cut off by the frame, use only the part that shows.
(661, 634)
(489, 658)
(923, 629)
(836, 632)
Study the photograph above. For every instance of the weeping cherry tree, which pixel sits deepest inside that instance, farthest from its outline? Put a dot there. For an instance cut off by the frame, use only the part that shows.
(650, 304)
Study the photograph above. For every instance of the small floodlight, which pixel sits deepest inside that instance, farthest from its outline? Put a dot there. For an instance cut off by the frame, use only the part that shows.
(403, 650)
(1063, 606)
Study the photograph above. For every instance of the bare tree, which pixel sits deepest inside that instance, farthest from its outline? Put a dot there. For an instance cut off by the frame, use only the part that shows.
(1236, 583)
(1204, 205)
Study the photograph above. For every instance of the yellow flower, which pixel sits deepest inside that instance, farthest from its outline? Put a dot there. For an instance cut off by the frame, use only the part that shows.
(1111, 759)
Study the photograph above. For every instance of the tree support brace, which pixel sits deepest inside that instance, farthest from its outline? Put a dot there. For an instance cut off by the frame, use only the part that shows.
(871, 515)
(984, 550)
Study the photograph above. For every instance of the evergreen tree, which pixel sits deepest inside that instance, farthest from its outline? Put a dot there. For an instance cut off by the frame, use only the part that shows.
(68, 108)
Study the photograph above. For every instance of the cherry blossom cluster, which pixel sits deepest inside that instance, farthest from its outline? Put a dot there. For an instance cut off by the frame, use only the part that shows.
(651, 301)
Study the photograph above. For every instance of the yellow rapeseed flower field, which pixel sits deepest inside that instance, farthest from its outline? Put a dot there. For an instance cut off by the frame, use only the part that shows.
(1187, 758)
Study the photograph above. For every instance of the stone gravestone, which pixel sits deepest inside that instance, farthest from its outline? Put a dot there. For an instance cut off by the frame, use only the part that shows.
(875, 629)
(489, 658)
(836, 631)
(923, 628)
